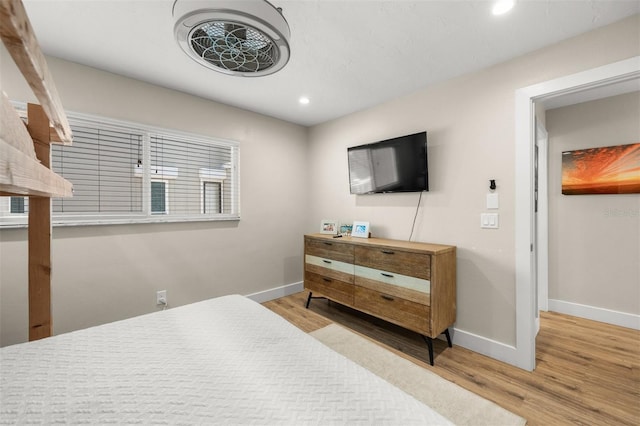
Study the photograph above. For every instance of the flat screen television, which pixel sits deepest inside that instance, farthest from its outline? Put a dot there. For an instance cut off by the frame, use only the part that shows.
(391, 165)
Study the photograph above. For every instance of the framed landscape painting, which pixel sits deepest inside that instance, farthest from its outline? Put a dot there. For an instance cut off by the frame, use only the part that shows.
(605, 170)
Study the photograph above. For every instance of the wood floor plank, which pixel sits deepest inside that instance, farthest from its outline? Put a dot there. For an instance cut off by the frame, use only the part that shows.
(588, 373)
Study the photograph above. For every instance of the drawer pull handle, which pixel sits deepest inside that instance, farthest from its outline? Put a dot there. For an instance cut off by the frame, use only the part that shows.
(386, 275)
(388, 252)
(326, 261)
(389, 298)
(327, 280)
(327, 243)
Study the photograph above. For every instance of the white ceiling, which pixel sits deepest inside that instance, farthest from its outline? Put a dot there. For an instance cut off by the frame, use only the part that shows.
(345, 55)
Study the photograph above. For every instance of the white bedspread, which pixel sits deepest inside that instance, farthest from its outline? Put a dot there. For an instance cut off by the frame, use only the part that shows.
(222, 361)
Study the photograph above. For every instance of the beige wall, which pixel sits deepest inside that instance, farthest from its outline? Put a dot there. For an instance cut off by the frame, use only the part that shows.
(470, 125)
(106, 273)
(594, 240)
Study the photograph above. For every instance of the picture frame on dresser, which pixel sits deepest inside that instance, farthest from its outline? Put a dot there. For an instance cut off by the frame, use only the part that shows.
(360, 229)
(329, 227)
(345, 229)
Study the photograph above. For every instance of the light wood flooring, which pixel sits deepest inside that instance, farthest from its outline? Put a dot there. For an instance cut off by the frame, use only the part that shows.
(588, 373)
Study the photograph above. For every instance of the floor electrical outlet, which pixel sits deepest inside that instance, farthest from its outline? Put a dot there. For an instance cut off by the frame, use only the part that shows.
(161, 297)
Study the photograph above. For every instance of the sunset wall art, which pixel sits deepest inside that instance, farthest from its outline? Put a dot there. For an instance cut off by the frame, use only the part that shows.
(605, 170)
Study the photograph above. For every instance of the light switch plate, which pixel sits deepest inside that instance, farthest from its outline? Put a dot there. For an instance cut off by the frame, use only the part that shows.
(493, 201)
(489, 220)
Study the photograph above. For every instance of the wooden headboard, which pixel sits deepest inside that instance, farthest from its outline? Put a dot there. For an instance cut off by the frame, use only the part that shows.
(25, 156)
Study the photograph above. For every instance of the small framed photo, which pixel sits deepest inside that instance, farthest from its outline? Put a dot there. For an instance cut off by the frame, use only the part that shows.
(329, 227)
(360, 229)
(345, 229)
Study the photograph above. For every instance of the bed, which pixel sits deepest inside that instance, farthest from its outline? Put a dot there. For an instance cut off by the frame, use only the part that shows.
(227, 360)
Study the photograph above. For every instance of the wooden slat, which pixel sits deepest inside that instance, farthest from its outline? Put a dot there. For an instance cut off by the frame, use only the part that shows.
(53, 136)
(40, 322)
(21, 174)
(20, 40)
(13, 129)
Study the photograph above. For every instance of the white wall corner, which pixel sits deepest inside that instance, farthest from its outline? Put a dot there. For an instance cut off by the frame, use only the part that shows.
(594, 313)
(277, 292)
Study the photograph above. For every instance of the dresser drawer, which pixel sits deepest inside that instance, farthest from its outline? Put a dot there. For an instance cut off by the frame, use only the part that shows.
(393, 288)
(408, 314)
(329, 268)
(334, 289)
(393, 279)
(329, 249)
(396, 261)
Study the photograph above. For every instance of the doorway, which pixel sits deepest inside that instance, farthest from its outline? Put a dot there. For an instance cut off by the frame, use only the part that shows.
(527, 242)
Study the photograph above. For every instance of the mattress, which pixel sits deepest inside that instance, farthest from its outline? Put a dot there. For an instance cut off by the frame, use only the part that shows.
(227, 360)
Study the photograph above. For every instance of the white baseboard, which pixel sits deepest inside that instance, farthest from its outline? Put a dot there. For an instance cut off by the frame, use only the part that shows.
(608, 316)
(277, 292)
(485, 346)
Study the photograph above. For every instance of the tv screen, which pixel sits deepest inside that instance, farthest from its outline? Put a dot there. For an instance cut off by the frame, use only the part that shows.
(392, 165)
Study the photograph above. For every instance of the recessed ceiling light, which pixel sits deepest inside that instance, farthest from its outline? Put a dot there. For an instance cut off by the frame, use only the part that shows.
(501, 7)
(303, 100)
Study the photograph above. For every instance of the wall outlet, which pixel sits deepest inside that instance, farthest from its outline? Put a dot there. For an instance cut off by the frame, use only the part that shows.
(161, 297)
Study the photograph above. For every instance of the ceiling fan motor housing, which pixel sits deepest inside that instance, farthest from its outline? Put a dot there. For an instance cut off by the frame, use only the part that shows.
(247, 38)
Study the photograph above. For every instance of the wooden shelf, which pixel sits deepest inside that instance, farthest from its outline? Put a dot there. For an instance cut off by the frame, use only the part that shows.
(20, 40)
(21, 173)
(25, 156)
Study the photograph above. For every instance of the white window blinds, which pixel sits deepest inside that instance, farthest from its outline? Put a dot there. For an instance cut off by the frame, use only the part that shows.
(190, 168)
(128, 173)
(100, 164)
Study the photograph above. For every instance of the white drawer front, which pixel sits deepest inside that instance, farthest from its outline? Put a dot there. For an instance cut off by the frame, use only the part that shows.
(400, 280)
(329, 264)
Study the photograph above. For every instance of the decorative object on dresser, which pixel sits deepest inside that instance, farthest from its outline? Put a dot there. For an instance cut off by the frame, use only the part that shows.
(328, 227)
(407, 283)
(345, 229)
(360, 229)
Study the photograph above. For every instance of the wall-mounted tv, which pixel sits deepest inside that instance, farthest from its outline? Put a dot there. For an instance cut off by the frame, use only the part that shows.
(391, 165)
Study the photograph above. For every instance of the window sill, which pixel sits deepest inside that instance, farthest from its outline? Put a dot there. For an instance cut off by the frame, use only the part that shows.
(121, 221)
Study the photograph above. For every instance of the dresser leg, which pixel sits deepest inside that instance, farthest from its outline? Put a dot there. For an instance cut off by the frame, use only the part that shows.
(311, 297)
(430, 345)
(446, 333)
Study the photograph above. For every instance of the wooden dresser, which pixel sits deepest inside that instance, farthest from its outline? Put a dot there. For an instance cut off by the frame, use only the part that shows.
(406, 283)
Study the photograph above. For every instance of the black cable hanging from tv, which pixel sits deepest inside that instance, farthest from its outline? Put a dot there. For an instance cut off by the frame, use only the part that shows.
(415, 216)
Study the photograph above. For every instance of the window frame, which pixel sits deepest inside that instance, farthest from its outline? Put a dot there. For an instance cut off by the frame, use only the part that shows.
(20, 220)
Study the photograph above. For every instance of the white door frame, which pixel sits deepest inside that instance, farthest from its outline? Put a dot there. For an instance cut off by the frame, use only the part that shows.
(541, 255)
(524, 218)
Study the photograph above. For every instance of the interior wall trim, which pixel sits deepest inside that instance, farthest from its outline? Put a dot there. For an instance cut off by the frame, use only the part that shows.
(595, 313)
(276, 292)
(485, 346)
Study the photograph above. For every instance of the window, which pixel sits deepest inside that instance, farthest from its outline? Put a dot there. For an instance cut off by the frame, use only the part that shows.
(158, 197)
(212, 197)
(13, 210)
(128, 173)
(17, 205)
(99, 164)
